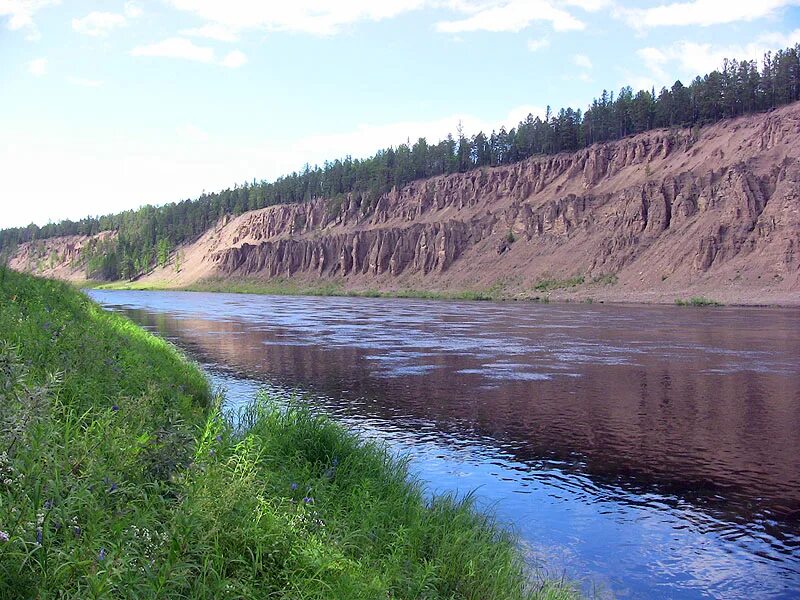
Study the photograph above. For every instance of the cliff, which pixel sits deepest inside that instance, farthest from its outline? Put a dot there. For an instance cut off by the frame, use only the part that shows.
(59, 257)
(656, 216)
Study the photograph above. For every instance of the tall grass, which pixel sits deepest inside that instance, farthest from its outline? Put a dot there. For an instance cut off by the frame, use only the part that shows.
(697, 301)
(120, 478)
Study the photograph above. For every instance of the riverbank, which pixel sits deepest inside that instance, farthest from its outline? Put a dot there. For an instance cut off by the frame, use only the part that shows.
(288, 287)
(546, 292)
(120, 478)
(573, 290)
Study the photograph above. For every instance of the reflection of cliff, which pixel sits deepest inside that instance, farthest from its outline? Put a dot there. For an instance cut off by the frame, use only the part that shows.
(727, 439)
(666, 213)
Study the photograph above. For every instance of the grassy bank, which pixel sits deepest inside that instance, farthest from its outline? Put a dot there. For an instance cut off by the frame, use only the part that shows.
(119, 478)
(288, 287)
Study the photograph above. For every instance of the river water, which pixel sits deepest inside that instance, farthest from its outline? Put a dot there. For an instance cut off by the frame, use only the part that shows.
(644, 452)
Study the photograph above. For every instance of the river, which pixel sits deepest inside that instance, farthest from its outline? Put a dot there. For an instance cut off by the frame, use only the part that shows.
(642, 451)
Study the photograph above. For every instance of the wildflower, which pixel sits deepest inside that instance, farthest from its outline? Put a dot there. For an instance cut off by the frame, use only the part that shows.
(308, 500)
(113, 488)
(39, 535)
(102, 554)
(115, 408)
(294, 487)
(77, 531)
(4, 537)
(48, 504)
(219, 438)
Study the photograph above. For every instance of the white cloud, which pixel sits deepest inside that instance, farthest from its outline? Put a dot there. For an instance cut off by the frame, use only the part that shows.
(537, 44)
(98, 24)
(83, 82)
(213, 31)
(102, 24)
(590, 5)
(702, 12)
(582, 61)
(20, 13)
(510, 15)
(37, 67)
(696, 58)
(234, 59)
(176, 48)
(182, 48)
(320, 17)
(132, 10)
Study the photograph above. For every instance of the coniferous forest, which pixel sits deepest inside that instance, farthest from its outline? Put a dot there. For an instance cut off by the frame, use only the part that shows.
(146, 236)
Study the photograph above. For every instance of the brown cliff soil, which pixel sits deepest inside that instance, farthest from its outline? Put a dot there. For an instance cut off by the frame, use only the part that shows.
(666, 214)
(59, 257)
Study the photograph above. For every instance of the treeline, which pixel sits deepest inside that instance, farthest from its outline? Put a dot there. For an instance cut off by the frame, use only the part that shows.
(147, 235)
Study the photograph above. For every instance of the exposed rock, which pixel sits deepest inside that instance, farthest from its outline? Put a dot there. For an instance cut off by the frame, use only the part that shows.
(667, 212)
(62, 257)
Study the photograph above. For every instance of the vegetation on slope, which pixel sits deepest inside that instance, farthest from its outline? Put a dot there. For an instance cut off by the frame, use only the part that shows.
(147, 235)
(119, 478)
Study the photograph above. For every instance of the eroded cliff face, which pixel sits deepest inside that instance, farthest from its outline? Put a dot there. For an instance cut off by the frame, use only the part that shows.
(61, 257)
(660, 215)
(651, 217)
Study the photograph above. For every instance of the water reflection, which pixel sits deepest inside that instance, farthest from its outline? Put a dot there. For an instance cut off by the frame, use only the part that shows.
(655, 449)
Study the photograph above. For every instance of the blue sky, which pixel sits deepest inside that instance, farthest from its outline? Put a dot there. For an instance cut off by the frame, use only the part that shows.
(109, 105)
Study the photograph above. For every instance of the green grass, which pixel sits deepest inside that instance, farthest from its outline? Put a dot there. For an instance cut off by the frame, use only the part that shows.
(547, 285)
(288, 287)
(697, 301)
(607, 279)
(120, 478)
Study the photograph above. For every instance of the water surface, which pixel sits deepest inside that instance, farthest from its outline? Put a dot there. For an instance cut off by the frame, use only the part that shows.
(644, 451)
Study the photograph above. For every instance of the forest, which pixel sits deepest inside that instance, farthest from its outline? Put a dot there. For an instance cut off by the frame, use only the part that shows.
(147, 236)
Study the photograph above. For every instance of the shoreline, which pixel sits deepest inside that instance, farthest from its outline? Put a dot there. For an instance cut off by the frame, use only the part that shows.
(141, 486)
(558, 295)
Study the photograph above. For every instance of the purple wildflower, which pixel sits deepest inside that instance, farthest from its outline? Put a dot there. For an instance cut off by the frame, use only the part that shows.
(219, 438)
(308, 500)
(115, 408)
(77, 531)
(294, 487)
(4, 537)
(102, 554)
(39, 536)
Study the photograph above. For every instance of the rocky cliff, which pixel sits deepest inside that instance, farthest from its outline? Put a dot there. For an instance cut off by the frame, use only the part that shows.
(656, 216)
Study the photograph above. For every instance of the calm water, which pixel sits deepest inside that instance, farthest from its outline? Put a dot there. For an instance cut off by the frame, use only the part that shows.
(644, 451)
